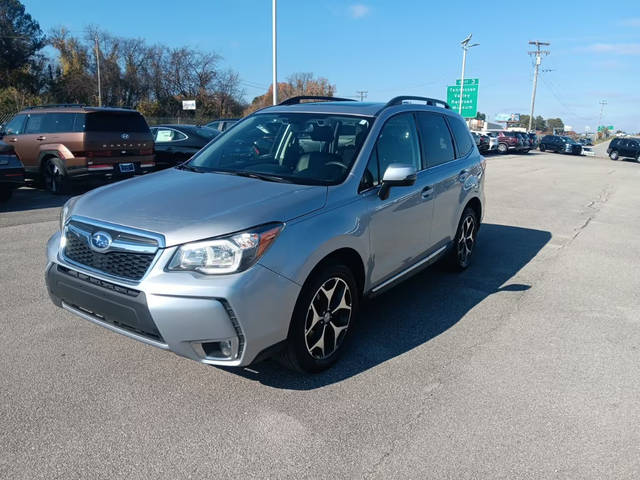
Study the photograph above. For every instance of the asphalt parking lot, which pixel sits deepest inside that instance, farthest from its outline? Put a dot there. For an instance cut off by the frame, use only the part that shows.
(524, 366)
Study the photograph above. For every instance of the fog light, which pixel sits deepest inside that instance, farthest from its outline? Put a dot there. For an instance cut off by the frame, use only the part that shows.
(225, 348)
(222, 349)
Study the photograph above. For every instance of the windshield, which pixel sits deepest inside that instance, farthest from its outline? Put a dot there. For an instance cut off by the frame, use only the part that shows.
(305, 148)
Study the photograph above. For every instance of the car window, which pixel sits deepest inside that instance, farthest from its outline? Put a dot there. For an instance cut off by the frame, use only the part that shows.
(57, 122)
(371, 176)
(460, 131)
(207, 132)
(168, 135)
(437, 144)
(34, 124)
(398, 143)
(15, 126)
(305, 148)
(116, 121)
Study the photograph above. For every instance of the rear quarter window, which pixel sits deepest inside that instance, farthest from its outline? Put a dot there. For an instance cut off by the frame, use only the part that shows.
(115, 122)
(462, 135)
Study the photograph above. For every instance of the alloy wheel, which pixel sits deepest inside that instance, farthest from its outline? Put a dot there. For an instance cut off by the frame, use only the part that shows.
(466, 240)
(328, 318)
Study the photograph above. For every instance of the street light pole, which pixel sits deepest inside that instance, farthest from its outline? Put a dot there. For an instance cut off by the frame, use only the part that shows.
(602, 104)
(274, 52)
(465, 47)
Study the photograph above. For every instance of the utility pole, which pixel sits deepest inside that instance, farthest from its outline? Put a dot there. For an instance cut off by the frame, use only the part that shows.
(273, 40)
(363, 94)
(98, 68)
(602, 104)
(465, 46)
(538, 53)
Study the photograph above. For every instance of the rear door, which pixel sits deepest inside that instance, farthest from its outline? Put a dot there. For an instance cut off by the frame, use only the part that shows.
(170, 146)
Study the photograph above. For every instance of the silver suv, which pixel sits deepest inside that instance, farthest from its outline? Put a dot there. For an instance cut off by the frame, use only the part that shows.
(267, 240)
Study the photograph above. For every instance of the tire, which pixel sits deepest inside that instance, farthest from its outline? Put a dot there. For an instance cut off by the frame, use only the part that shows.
(542, 147)
(55, 177)
(502, 148)
(614, 155)
(315, 327)
(460, 254)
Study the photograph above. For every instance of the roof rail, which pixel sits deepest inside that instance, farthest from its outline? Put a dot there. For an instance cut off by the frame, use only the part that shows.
(430, 101)
(56, 105)
(297, 100)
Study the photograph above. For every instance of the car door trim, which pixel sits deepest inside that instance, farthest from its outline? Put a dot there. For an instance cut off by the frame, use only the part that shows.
(408, 270)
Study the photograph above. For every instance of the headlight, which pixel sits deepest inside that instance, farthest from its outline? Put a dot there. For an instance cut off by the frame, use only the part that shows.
(64, 212)
(233, 253)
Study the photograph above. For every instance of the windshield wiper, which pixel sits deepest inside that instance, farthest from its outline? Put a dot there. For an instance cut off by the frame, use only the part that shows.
(261, 176)
(190, 168)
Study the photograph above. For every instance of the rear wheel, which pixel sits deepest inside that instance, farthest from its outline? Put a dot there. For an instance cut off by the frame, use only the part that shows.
(56, 179)
(465, 240)
(542, 147)
(502, 148)
(322, 319)
(614, 155)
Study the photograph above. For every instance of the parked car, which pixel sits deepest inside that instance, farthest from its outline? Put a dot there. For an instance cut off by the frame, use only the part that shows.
(58, 143)
(493, 141)
(508, 140)
(585, 141)
(222, 124)
(245, 251)
(560, 144)
(525, 142)
(482, 142)
(627, 147)
(176, 144)
(11, 171)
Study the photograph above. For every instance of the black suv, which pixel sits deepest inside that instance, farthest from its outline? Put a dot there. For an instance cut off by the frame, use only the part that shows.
(624, 148)
(558, 144)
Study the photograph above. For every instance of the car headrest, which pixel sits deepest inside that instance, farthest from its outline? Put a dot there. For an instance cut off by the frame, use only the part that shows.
(321, 133)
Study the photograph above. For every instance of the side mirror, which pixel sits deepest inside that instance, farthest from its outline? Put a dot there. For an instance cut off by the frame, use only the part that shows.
(397, 175)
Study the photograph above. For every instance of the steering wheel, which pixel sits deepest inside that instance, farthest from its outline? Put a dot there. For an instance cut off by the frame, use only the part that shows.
(336, 164)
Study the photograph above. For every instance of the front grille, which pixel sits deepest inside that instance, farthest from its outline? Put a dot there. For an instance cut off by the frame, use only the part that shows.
(127, 265)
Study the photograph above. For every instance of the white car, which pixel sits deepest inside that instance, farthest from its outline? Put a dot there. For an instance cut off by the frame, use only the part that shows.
(588, 151)
(493, 141)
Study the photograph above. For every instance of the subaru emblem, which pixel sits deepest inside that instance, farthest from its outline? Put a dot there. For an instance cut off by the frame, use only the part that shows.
(124, 136)
(101, 241)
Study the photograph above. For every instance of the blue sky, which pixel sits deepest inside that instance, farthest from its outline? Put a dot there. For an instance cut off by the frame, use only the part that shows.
(402, 47)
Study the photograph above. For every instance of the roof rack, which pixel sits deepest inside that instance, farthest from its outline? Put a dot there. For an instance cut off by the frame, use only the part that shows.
(297, 100)
(430, 101)
(56, 105)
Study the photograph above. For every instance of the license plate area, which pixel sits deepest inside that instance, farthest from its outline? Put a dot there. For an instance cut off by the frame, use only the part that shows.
(126, 168)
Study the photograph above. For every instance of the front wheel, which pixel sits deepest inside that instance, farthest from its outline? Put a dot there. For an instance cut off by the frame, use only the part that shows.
(614, 155)
(464, 241)
(56, 179)
(542, 147)
(322, 319)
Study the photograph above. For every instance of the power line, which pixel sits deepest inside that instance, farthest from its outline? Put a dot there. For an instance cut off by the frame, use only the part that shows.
(538, 53)
(363, 94)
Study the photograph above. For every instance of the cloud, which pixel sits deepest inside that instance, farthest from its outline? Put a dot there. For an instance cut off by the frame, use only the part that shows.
(615, 48)
(358, 10)
(630, 22)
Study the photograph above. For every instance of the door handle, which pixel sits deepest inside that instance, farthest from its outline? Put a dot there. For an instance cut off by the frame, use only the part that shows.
(462, 176)
(41, 138)
(13, 140)
(426, 191)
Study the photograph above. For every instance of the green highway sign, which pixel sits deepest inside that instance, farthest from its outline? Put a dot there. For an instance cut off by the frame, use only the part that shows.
(469, 97)
(600, 129)
(468, 81)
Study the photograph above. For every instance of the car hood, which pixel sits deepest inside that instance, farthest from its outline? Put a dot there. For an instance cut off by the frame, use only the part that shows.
(187, 206)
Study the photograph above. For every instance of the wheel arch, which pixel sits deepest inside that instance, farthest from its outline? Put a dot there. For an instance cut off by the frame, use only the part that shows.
(348, 257)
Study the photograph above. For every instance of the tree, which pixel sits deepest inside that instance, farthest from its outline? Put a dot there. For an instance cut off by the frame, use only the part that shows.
(480, 116)
(296, 84)
(20, 41)
(540, 123)
(555, 124)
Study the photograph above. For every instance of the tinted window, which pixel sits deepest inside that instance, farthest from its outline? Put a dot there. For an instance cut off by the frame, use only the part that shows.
(16, 125)
(58, 122)
(437, 144)
(462, 136)
(34, 124)
(398, 143)
(115, 122)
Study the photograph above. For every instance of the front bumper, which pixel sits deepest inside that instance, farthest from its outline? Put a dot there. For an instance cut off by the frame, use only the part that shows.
(183, 312)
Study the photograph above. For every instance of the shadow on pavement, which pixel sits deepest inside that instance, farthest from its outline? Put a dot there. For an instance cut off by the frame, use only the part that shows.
(30, 198)
(419, 309)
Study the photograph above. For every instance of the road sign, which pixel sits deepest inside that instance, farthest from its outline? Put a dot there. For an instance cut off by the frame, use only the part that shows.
(188, 104)
(468, 81)
(469, 98)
